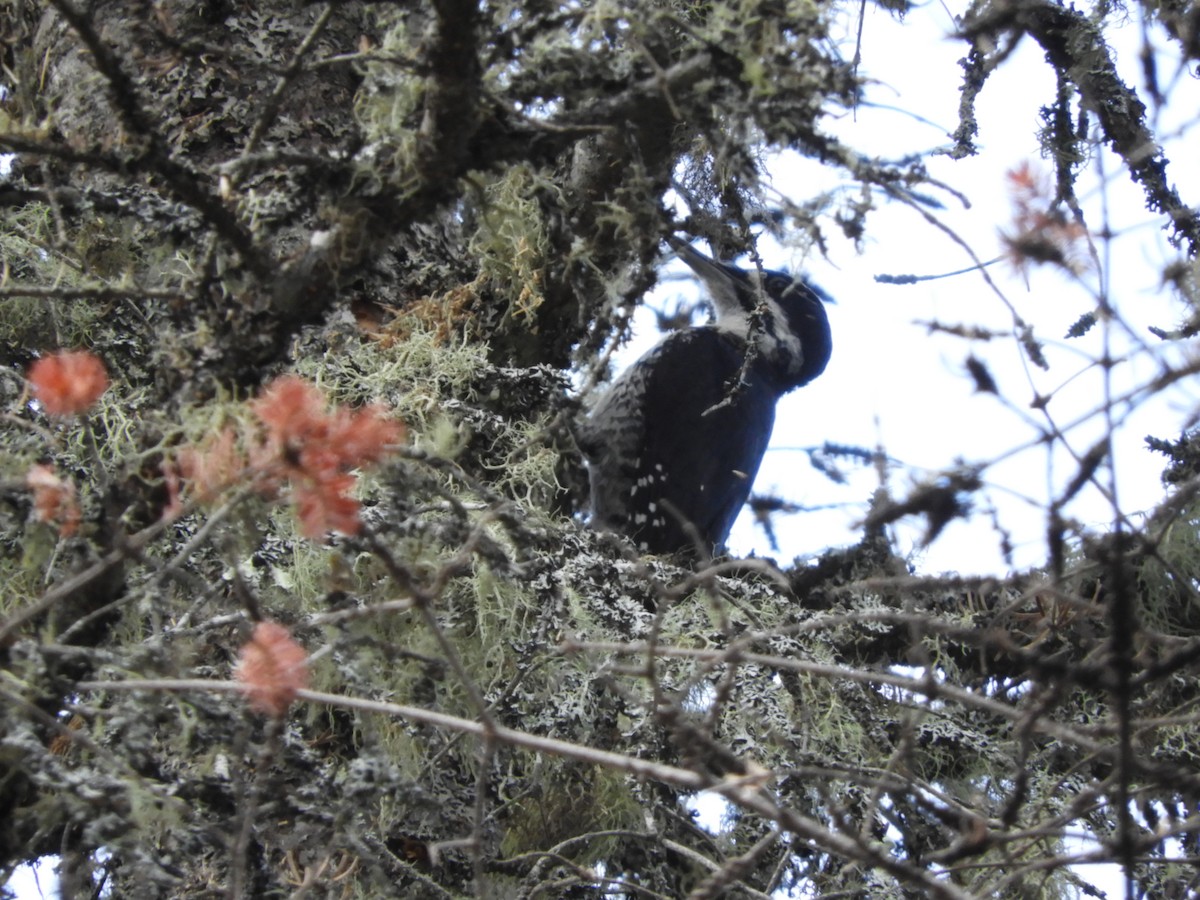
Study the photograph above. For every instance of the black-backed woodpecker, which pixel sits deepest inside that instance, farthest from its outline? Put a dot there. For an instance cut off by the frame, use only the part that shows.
(673, 447)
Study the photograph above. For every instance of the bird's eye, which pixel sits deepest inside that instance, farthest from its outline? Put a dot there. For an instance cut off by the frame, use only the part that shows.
(777, 285)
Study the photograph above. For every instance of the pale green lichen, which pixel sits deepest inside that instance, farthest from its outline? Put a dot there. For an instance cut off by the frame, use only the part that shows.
(511, 241)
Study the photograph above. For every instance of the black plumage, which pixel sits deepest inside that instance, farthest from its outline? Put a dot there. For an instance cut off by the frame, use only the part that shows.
(674, 445)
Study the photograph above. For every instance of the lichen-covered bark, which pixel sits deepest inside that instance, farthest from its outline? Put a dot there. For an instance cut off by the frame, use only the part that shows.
(443, 208)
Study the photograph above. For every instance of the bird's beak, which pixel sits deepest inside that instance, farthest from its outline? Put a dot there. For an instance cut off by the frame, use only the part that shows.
(721, 280)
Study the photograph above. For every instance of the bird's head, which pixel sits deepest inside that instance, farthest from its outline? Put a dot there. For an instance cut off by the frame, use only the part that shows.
(783, 315)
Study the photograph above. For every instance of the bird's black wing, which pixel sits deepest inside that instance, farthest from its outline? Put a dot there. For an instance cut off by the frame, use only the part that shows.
(679, 443)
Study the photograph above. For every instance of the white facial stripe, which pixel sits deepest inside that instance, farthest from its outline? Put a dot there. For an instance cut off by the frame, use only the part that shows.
(774, 339)
(782, 343)
(724, 297)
